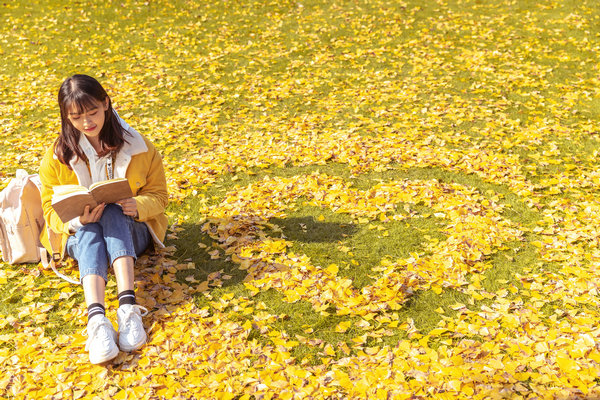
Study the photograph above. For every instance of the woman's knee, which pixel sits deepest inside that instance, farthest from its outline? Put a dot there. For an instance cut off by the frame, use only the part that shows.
(112, 214)
(90, 229)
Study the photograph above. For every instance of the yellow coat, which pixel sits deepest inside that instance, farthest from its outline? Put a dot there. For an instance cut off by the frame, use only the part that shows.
(138, 161)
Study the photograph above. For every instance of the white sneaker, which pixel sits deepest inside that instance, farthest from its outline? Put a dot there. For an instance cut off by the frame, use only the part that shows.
(132, 335)
(101, 342)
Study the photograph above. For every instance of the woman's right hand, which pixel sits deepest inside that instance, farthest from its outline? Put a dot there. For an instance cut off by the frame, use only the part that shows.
(92, 216)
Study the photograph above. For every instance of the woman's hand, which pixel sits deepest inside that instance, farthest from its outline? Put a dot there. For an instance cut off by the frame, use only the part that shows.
(129, 207)
(92, 216)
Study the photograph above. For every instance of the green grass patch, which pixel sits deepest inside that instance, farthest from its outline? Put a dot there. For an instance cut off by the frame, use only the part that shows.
(328, 238)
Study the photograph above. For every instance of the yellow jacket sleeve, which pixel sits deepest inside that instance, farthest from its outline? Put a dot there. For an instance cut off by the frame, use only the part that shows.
(50, 177)
(152, 198)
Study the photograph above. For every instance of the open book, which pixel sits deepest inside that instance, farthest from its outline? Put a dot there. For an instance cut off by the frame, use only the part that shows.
(69, 201)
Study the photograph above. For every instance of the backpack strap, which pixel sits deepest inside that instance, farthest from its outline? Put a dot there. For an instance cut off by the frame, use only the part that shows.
(52, 263)
(46, 261)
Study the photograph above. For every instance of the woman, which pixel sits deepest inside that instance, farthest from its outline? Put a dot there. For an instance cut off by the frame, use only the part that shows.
(95, 145)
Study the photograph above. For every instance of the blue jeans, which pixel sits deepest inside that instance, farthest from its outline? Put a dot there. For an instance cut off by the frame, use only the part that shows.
(96, 246)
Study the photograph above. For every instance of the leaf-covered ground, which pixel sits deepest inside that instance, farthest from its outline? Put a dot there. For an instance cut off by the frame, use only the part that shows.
(369, 199)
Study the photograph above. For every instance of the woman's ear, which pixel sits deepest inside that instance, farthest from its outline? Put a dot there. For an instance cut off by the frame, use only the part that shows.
(106, 103)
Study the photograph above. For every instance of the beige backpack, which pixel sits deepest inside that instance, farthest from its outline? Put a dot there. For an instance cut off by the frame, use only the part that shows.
(22, 221)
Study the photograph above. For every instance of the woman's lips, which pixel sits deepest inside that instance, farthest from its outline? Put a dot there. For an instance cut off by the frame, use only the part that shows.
(90, 129)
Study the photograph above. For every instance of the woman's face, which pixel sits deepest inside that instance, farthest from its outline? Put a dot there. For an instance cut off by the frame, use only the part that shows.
(91, 120)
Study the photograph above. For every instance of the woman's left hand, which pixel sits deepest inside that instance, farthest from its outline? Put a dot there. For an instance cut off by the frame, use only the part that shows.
(129, 207)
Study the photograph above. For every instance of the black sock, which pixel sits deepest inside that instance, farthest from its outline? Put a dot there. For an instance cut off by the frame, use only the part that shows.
(95, 309)
(126, 297)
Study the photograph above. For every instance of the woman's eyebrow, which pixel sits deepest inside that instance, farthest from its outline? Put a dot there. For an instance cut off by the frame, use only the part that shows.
(88, 110)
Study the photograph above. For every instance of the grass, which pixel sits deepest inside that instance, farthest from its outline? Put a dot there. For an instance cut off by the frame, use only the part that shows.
(266, 68)
(320, 234)
(321, 241)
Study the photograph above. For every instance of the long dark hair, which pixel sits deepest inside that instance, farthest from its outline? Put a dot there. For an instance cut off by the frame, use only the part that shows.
(82, 92)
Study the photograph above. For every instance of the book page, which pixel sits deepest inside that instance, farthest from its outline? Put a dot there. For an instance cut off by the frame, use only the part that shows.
(111, 191)
(106, 182)
(64, 191)
(71, 206)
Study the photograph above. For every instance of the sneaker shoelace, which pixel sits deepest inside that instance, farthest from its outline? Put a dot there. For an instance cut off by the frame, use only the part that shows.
(93, 330)
(134, 310)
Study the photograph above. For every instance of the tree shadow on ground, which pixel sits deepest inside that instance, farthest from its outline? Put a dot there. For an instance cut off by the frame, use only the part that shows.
(308, 230)
(196, 246)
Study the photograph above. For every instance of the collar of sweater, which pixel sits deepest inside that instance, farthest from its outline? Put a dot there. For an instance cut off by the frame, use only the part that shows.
(134, 144)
